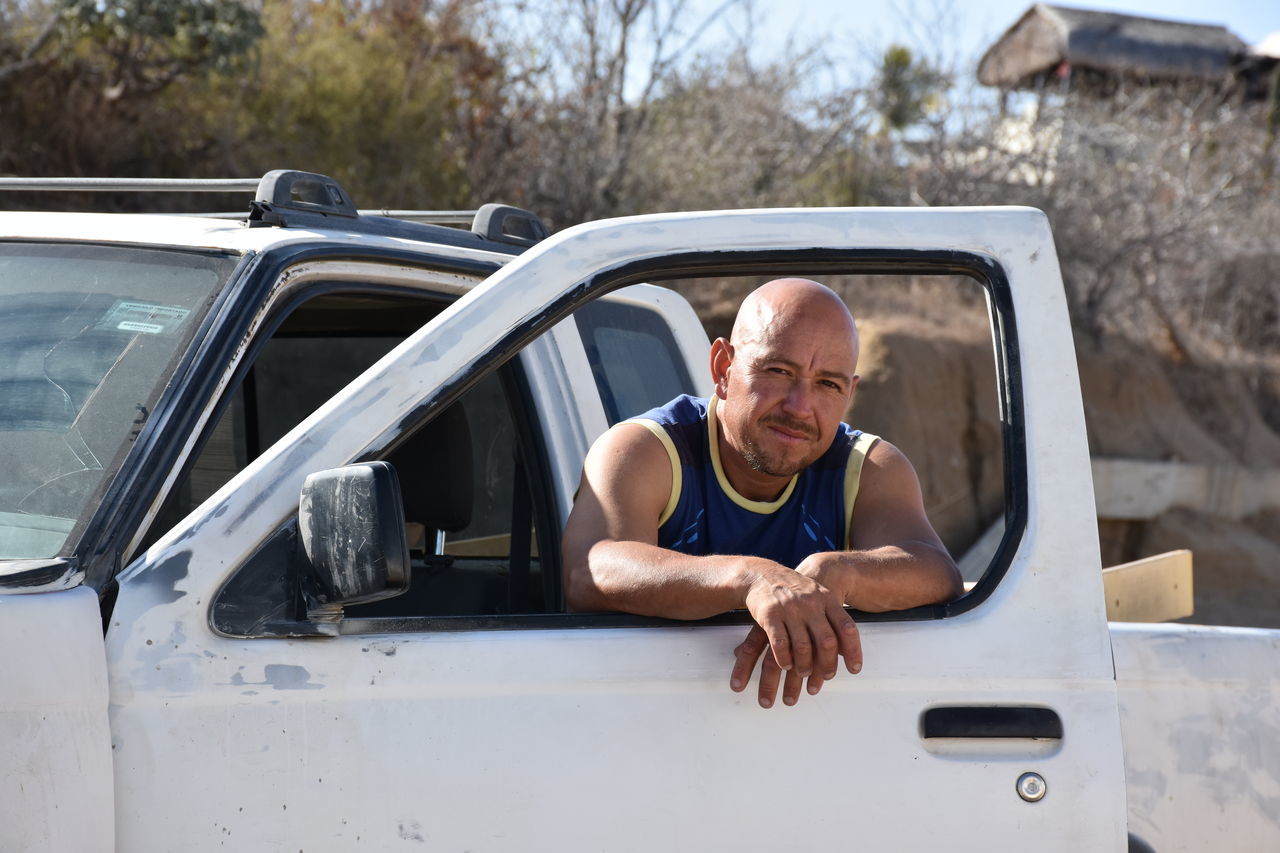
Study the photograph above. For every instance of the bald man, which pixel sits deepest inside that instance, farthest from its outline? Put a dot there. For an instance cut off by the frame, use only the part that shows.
(760, 498)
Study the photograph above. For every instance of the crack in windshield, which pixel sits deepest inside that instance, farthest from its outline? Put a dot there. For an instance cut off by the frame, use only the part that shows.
(88, 340)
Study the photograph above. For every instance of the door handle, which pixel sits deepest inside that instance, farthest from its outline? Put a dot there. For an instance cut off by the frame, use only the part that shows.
(990, 721)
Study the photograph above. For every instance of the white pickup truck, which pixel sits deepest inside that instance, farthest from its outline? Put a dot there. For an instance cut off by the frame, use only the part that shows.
(222, 626)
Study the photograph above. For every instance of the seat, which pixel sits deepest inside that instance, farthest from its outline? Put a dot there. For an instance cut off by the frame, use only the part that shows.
(436, 475)
(436, 470)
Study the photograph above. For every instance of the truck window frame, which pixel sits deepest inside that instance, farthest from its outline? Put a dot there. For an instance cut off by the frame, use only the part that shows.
(984, 269)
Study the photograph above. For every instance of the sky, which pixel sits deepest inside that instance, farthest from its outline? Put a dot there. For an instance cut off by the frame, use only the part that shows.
(848, 26)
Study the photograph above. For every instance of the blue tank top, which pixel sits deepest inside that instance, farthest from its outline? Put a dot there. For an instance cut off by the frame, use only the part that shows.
(706, 515)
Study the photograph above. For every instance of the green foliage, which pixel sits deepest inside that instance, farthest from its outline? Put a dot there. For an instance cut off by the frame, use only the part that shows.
(378, 98)
(82, 84)
(907, 90)
(388, 97)
(149, 43)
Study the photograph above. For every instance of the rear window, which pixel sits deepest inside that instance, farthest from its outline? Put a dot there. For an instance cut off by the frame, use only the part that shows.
(633, 355)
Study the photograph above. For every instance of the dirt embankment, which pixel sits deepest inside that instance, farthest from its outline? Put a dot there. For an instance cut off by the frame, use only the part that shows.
(930, 388)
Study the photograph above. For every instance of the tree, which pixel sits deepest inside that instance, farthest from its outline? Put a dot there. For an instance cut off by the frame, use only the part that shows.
(585, 79)
(385, 98)
(81, 82)
(1154, 195)
(907, 90)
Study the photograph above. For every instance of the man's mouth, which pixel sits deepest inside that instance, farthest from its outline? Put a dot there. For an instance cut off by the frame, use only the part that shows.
(791, 429)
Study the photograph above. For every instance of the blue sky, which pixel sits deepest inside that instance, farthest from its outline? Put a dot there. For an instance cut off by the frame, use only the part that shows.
(846, 27)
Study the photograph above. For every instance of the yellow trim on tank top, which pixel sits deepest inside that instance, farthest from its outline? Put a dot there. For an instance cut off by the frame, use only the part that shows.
(852, 475)
(761, 507)
(676, 476)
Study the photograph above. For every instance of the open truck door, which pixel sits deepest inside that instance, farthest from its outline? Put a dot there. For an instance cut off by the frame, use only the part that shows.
(243, 713)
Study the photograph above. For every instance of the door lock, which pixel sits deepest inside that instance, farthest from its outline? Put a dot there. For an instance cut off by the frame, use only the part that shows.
(1031, 787)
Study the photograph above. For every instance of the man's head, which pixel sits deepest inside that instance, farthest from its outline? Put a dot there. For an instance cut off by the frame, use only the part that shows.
(786, 375)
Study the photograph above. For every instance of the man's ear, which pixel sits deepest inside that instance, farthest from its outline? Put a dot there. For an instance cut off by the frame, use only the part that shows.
(721, 359)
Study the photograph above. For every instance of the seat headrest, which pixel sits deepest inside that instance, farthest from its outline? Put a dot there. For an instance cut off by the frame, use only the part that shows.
(436, 473)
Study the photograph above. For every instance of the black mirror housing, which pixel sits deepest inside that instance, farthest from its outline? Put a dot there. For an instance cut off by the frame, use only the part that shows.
(351, 523)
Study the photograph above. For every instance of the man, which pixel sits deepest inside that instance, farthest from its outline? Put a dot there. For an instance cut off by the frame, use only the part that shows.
(760, 498)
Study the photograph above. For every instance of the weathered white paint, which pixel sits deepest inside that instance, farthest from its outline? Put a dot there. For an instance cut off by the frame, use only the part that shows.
(55, 774)
(563, 389)
(1200, 710)
(620, 739)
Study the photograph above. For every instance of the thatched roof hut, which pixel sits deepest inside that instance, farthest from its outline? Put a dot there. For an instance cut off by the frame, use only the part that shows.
(1268, 48)
(1051, 42)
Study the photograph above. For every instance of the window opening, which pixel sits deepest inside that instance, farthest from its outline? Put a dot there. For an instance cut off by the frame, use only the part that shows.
(633, 356)
(465, 476)
(929, 385)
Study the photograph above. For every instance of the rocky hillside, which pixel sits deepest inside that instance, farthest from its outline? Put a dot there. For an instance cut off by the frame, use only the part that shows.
(930, 388)
(928, 385)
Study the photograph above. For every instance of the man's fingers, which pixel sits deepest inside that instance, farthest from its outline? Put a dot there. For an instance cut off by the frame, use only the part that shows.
(770, 673)
(791, 687)
(815, 683)
(801, 647)
(849, 639)
(745, 657)
(827, 650)
(779, 644)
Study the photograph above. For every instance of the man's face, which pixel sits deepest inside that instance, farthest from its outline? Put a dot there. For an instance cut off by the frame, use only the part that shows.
(785, 392)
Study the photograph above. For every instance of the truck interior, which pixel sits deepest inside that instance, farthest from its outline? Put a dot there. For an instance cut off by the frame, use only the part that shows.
(478, 514)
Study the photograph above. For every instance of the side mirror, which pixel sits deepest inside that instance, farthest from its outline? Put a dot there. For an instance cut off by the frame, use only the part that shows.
(351, 522)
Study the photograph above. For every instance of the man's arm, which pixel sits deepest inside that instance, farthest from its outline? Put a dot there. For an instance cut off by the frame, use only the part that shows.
(612, 562)
(897, 562)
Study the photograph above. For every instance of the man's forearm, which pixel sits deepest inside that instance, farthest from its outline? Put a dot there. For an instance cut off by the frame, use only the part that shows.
(893, 577)
(635, 577)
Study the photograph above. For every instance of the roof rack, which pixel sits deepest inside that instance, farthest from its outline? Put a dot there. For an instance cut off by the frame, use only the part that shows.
(286, 198)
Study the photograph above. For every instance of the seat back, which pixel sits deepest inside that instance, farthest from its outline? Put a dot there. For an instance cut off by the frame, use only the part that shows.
(436, 474)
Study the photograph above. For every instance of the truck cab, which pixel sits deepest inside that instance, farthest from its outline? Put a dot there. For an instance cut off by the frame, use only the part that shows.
(188, 664)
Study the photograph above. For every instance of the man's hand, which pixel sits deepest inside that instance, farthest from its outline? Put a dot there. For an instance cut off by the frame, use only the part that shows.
(829, 570)
(807, 630)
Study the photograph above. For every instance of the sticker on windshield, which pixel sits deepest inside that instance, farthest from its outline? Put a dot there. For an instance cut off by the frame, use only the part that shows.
(144, 318)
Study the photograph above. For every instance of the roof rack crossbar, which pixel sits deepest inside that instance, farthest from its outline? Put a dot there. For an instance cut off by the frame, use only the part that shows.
(455, 218)
(288, 198)
(158, 185)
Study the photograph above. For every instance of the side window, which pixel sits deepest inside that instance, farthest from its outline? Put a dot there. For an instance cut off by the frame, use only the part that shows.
(477, 481)
(316, 351)
(467, 477)
(633, 356)
(468, 495)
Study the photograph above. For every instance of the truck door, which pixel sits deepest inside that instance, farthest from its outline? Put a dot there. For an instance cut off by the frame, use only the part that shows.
(470, 714)
(55, 788)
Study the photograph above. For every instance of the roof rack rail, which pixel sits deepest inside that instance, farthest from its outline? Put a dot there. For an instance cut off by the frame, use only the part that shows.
(287, 198)
(154, 185)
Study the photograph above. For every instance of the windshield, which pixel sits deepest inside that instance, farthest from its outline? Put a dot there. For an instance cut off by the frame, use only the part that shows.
(88, 339)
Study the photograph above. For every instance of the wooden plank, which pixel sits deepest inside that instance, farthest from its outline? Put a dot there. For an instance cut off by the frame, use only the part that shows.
(1153, 589)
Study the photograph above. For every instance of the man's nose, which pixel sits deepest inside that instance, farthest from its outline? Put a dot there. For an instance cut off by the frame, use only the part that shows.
(799, 399)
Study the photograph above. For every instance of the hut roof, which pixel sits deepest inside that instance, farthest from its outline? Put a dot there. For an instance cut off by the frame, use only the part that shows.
(1047, 36)
(1268, 48)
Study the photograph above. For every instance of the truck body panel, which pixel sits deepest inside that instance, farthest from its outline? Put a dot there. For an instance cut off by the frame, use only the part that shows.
(55, 789)
(1200, 713)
